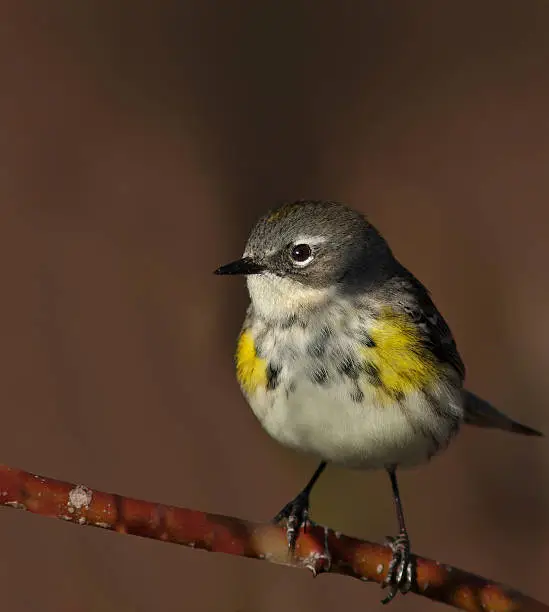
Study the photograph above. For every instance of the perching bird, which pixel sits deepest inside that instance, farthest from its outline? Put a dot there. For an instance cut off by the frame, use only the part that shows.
(343, 355)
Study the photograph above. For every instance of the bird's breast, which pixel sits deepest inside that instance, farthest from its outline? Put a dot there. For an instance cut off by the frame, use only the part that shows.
(360, 390)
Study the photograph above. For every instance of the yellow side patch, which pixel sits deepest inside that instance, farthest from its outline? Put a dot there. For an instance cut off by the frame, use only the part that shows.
(399, 359)
(251, 370)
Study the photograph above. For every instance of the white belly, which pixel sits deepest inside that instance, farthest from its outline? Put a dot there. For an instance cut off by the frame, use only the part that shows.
(325, 422)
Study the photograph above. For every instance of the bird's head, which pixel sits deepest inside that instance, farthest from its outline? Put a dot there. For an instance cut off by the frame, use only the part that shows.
(300, 255)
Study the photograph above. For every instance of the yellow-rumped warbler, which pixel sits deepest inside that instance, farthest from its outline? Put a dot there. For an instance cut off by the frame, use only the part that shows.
(343, 355)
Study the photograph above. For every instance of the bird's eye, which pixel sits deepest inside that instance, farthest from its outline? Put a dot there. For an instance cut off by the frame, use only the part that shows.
(301, 254)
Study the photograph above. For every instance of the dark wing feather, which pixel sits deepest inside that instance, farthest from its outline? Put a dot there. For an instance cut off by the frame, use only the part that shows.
(437, 335)
(482, 414)
(416, 302)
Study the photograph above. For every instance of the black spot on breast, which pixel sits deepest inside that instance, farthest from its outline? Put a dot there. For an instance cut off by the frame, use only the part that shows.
(320, 375)
(273, 372)
(365, 339)
(356, 395)
(289, 321)
(326, 331)
(317, 348)
(373, 374)
(259, 341)
(290, 388)
(399, 396)
(349, 367)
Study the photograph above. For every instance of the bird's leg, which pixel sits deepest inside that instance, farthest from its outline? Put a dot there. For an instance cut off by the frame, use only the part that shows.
(296, 512)
(400, 575)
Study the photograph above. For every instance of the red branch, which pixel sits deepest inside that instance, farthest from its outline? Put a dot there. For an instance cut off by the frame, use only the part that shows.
(320, 549)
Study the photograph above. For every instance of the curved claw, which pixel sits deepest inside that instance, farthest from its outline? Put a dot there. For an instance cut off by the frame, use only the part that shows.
(400, 575)
(296, 515)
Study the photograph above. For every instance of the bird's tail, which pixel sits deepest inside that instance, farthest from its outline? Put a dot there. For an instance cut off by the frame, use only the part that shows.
(480, 413)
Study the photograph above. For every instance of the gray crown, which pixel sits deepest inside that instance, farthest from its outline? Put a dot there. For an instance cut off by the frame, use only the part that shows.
(346, 248)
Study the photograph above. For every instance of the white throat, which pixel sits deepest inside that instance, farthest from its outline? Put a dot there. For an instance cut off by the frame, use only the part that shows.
(275, 297)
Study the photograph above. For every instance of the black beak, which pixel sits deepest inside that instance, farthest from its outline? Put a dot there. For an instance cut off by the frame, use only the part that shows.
(246, 265)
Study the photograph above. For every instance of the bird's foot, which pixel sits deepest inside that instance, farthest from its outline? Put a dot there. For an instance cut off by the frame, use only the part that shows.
(296, 514)
(401, 572)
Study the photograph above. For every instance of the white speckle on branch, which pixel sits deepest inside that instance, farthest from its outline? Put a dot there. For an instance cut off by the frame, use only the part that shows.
(16, 505)
(79, 497)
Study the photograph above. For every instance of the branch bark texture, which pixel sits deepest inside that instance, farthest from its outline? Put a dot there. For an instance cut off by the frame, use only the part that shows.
(319, 549)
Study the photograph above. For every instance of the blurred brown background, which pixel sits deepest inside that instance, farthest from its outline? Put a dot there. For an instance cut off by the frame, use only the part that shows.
(138, 143)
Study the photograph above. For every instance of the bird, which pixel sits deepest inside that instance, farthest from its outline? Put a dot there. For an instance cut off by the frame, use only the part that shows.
(344, 356)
